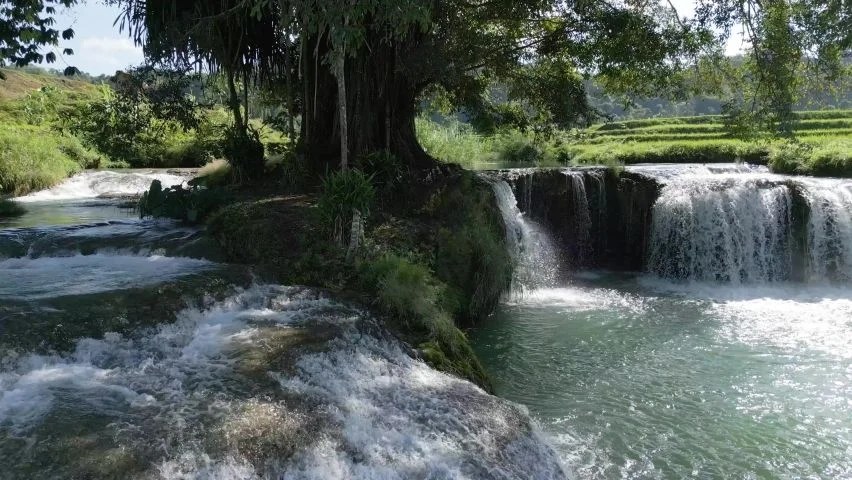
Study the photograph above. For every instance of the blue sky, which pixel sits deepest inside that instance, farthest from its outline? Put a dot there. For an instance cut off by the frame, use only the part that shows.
(99, 47)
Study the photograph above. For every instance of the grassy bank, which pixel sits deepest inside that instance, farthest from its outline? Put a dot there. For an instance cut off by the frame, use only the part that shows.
(34, 154)
(821, 146)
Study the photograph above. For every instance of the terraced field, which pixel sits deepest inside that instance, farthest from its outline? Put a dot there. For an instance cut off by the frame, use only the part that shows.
(823, 143)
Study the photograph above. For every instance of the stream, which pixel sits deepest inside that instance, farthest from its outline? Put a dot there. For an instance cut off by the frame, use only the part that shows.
(128, 351)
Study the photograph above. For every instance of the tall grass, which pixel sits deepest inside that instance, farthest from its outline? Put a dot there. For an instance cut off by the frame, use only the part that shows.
(456, 142)
(828, 159)
(34, 158)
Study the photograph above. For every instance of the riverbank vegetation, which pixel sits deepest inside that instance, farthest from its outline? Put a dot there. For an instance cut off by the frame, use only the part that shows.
(52, 127)
(429, 256)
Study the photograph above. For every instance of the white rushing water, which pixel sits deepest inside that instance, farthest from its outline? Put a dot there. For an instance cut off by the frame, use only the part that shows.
(103, 183)
(225, 392)
(582, 211)
(736, 226)
(829, 228)
(534, 251)
(728, 228)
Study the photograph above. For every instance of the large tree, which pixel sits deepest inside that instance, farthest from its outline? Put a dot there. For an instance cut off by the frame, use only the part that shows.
(356, 69)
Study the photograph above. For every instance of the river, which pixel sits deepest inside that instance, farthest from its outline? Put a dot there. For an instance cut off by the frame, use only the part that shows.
(128, 351)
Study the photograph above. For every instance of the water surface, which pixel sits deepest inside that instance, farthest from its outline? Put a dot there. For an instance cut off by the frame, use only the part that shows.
(635, 377)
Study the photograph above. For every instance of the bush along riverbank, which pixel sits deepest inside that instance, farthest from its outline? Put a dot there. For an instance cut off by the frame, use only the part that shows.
(425, 253)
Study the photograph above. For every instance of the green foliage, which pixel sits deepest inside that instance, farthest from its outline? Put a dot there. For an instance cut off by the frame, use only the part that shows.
(455, 142)
(191, 205)
(342, 193)
(704, 139)
(26, 27)
(408, 292)
(244, 151)
(9, 208)
(34, 158)
(470, 257)
(826, 159)
(384, 169)
(127, 127)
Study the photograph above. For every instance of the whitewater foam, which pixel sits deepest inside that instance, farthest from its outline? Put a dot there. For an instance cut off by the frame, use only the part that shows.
(727, 228)
(103, 183)
(182, 400)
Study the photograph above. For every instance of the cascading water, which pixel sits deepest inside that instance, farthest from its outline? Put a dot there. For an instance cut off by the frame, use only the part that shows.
(726, 228)
(533, 250)
(736, 225)
(104, 183)
(581, 212)
(240, 390)
(829, 229)
(717, 364)
(121, 357)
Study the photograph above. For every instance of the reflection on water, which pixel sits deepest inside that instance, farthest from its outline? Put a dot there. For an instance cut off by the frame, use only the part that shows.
(70, 213)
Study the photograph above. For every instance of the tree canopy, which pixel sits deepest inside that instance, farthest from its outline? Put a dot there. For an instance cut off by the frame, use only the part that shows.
(354, 72)
(26, 26)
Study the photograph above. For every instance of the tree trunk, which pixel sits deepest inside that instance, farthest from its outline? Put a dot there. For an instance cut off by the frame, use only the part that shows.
(382, 84)
(342, 114)
(234, 99)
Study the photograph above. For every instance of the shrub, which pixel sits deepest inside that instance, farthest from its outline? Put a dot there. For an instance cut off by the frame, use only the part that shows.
(214, 174)
(192, 204)
(293, 171)
(405, 289)
(343, 192)
(244, 151)
(789, 157)
(516, 149)
(384, 168)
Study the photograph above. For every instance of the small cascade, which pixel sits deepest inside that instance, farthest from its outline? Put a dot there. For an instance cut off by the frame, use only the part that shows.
(726, 228)
(829, 229)
(104, 183)
(581, 213)
(534, 251)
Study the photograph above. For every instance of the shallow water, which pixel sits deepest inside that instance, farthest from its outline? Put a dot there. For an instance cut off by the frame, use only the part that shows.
(641, 378)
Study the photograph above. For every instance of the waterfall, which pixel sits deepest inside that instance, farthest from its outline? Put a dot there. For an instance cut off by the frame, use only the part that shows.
(829, 229)
(535, 255)
(104, 183)
(728, 228)
(707, 223)
(581, 212)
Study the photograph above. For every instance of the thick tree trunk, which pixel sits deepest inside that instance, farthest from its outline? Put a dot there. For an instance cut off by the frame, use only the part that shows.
(382, 86)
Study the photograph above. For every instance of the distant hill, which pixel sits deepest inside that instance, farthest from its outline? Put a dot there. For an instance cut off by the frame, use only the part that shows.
(19, 83)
